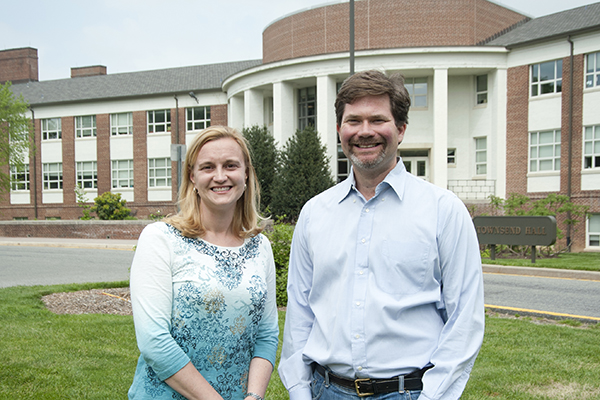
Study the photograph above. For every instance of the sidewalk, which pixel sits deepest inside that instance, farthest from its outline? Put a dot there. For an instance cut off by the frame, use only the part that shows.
(115, 244)
(109, 244)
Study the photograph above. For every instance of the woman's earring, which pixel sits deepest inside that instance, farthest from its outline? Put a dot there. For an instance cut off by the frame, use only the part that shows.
(245, 186)
(196, 191)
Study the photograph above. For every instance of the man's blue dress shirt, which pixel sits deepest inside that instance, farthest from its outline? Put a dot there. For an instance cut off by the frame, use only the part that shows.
(380, 288)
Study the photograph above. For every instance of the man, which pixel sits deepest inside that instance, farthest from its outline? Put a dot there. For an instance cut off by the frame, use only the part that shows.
(385, 285)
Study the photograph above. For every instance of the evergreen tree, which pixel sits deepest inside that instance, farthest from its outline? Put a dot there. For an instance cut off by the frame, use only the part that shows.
(264, 157)
(15, 133)
(303, 172)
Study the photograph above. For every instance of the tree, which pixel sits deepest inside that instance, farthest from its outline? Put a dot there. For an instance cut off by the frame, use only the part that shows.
(264, 158)
(110, 206)
(302, 173)
(15, 133)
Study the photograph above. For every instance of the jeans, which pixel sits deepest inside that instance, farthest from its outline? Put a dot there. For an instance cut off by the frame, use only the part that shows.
(321, 391)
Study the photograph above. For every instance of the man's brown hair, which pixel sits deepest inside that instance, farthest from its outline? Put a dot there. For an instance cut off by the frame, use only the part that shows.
(375, 83)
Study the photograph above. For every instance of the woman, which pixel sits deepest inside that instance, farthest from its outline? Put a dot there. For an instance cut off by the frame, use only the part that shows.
(203, 283)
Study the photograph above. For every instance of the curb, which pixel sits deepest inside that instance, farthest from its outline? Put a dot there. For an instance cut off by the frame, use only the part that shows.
(542, 272)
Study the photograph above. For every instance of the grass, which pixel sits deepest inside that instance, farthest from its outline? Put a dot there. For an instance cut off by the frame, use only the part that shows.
(48, 356)
(577, 261)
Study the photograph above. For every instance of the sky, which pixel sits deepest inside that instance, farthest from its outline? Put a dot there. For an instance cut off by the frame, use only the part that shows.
(139, 35)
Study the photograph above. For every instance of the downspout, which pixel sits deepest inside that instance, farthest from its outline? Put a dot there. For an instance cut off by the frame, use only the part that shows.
(570, 162)
(35, 193)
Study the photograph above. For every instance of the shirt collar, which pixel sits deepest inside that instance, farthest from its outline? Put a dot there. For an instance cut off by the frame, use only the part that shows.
(396, 179)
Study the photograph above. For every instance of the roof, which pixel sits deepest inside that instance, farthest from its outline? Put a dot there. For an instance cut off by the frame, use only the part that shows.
(576, 20)
(132, 84)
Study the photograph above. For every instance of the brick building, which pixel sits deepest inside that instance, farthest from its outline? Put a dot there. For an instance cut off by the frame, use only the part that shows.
(502, 104)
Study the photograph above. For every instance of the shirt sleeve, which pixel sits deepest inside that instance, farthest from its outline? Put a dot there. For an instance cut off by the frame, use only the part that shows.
(152, 301)
(462, 305)
(267, 339)
(294, 372)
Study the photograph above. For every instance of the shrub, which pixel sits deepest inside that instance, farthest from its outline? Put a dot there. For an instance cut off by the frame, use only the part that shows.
(264, 157)
(281, 241)
(82, 202)
(110, 206)
(303, 172)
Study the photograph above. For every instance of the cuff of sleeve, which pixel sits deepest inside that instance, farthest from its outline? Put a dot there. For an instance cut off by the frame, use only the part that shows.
(300, 393)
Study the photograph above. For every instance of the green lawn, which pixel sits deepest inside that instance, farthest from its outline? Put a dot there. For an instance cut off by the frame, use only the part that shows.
(48, 356)
(581, 261)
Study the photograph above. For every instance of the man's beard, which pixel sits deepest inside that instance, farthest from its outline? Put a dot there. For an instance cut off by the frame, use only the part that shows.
(371, 164)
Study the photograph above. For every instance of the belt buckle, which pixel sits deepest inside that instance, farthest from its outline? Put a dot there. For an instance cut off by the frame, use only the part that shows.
(357, 387)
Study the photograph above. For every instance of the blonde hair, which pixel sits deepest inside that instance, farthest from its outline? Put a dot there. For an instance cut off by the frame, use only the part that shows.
(246, 219)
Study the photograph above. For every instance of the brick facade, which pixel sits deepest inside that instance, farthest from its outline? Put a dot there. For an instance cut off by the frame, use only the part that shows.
(123, 230)
(517, 142)
(382, 24)
(18, 65)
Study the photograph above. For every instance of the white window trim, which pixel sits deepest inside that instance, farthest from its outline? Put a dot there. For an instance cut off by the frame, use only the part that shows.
(80, 174)
(594, 143)
(477, 151)
(152, 177)
(115, 171)
(151, 126)
(45, 132)
(115, 126)
(595, 73)
(556, 146)
(45, 174)
(204, 122)
(481, 92)
(588, 233)
(409, 83)
(15, 181)
(81, 131)
(555, 80)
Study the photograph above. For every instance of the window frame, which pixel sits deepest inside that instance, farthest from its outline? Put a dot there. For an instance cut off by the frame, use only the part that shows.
(451, 154)
(82, 131)
(481, 94)
(536, 82)
(84, 176)
(592, 78)
(192, 123)
(152, 168)
(539, 159)
(152, 124)
(20, 178)
(307, 107)
(117, 126)
(591, 147)
(480, 151)
(46, 132)
(409, 84)
(590, 233)
(47, 183)
(115, 172)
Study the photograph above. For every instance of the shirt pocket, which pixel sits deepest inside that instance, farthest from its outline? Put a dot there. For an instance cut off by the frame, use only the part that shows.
(405, 267)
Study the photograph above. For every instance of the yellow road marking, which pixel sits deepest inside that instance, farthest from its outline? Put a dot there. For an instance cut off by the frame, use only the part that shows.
(541, 312)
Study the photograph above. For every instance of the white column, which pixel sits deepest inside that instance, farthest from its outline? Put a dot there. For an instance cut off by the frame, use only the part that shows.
(498, 139)
(326, 94)
(439, 152)
(253, 108)
(235, 111)
(284, 125)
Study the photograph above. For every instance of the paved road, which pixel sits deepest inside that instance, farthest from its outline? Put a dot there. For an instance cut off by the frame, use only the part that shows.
(29, 265)
(33, 261)
(564, 297)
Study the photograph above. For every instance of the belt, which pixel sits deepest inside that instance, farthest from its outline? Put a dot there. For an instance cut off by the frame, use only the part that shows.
(368, 387)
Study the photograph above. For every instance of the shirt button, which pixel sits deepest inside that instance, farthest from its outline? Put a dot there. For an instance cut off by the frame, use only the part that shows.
(359, 368)
(361, 272)
(363, 240)
(367, 210)
(357, 336)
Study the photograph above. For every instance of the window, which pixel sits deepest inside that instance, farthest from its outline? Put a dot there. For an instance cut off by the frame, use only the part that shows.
(417, 89)
(481, 156)
(122, 174)
(592, 70)
(52, 176)
(19, 177)
(51, 129)
(87, 174)
(482, 89)
(159, 172)
(451, 156)
(197, 118)
(591, 147)
(544, 151)
(593, 233)
(121, 124)
(546, 78)
(307, 111)
(85, 126)
(159, 121)
(343, 164)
